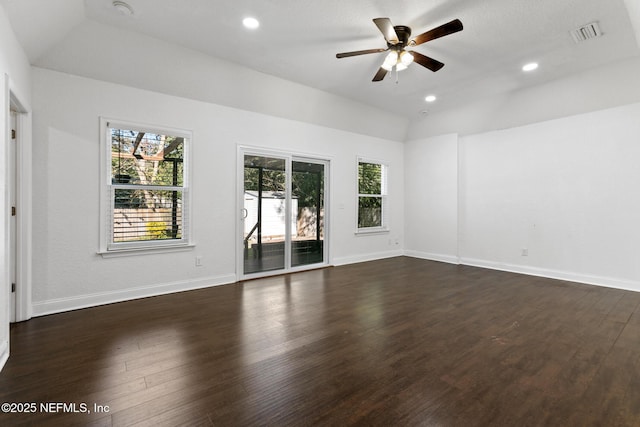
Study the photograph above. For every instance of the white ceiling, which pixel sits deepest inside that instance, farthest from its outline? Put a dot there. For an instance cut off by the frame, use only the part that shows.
(298, 40)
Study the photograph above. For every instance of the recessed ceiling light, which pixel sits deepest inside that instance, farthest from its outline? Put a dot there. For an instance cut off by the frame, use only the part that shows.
(530, 67)
(251, 23)
(123, 8)
(430, 98)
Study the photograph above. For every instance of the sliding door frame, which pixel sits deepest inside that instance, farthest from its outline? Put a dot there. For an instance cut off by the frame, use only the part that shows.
(289, 158)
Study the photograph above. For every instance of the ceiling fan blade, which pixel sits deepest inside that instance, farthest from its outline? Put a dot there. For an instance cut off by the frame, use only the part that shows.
(359, 52)
(427, 62)
(386, 28)
(441, 31)
(379, 75)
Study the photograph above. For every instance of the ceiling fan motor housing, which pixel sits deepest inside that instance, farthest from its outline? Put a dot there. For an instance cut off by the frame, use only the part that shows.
(403, 32)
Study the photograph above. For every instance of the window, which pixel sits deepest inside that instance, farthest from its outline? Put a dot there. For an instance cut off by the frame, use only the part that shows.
(145, 185)
(372, 196)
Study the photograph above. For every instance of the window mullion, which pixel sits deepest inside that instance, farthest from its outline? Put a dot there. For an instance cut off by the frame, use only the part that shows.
(147, 187)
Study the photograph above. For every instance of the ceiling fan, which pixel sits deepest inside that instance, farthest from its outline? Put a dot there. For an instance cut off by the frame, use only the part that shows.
(398, 39)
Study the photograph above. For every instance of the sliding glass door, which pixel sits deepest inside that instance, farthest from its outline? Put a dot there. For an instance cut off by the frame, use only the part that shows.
(283, 212)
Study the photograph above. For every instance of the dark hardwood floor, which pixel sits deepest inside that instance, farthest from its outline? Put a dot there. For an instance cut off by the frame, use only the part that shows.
(394, 342)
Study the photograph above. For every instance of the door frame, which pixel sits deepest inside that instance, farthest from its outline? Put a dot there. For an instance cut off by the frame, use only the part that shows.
(289, 157)
(23, 194)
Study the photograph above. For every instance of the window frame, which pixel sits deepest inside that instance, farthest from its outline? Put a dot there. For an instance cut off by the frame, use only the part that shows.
(384, 193)
(107, 191)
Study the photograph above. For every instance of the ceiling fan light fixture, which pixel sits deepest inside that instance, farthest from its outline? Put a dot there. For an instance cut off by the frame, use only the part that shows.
(406, 58)
(390, 60)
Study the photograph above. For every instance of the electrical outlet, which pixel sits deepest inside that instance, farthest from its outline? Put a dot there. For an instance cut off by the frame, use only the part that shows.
(198, 261)
(525, 252)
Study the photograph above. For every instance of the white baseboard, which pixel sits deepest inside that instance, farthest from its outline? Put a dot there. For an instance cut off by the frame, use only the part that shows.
(4, 353)
(59, 305)
(366, 257)
(449, 259)
(608, 282)
(41, 308)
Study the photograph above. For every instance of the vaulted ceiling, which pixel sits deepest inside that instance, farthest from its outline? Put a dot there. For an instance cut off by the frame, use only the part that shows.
(297, 40)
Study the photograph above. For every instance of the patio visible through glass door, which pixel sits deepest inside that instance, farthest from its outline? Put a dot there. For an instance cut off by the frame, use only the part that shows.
(283, 211)
(265, 221)
(307, 198)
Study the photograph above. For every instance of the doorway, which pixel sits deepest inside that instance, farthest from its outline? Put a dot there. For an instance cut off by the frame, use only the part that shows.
(18, 185)
(11, 187)
(283, 212)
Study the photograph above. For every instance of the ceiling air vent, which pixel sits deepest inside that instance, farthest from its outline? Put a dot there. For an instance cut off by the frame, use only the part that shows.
(586, 32)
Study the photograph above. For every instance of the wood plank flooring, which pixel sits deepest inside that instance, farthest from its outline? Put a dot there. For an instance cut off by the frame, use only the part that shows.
(396, 342)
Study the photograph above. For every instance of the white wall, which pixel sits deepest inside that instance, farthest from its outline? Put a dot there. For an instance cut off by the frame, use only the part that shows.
(68, 273)
(431, 198)
(566, 190)
(15, 77)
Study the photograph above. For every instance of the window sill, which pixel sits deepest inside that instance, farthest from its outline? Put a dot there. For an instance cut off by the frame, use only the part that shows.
(147, 250)
(369, 231)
